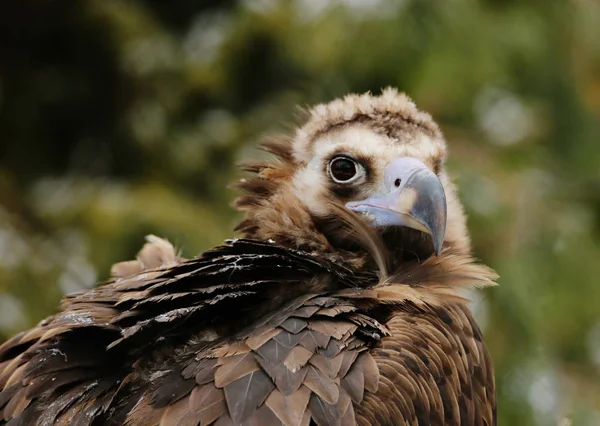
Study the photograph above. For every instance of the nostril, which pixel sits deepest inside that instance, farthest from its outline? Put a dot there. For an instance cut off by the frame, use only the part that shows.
(397, 182)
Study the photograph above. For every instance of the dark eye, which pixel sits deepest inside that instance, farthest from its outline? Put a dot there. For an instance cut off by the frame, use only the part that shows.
(343, 169)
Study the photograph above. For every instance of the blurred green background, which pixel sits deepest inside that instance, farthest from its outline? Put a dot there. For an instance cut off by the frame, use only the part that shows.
(120, 118)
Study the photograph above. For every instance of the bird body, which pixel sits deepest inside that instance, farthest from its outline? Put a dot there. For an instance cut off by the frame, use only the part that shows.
(341, 304)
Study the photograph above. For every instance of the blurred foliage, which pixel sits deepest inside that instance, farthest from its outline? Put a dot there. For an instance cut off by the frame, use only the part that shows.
(120, 118)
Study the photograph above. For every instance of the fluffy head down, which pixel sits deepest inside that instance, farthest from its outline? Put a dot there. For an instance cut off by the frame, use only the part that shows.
(290, 198)
(391, 115)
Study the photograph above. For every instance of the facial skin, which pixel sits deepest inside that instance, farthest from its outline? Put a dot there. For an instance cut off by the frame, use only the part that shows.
(391, 184)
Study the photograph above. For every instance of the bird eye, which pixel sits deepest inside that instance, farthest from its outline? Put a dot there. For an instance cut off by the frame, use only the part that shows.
(343, 169)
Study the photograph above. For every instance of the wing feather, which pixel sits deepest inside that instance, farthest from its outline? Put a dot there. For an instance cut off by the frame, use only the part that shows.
(251, 333)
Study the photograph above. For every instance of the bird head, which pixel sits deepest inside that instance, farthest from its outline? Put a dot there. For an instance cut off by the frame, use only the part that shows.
(373, 159)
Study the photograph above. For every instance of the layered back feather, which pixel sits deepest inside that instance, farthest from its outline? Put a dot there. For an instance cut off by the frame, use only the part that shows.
(251, 333)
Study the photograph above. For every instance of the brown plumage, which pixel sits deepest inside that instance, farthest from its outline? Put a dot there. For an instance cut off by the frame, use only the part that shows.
(331, 309)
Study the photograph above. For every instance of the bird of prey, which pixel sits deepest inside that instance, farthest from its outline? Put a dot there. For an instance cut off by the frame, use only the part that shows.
(340, 303)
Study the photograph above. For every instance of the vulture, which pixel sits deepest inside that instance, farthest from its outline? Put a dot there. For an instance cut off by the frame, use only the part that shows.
(342, 300)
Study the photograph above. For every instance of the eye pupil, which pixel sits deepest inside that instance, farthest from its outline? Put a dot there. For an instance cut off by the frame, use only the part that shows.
(342, 169)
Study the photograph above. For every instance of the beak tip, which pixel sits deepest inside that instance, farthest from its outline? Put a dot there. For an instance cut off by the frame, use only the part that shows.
(437, 238)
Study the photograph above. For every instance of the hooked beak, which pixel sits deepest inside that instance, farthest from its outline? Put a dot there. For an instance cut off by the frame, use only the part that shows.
(413, 197)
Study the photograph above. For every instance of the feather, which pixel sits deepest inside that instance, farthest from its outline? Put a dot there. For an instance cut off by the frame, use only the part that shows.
(354, 383)
(336, 310)
(324, 414)
(59, 405)
(208, 403)
(348, 358)
(360, 232)
(286, 380)
(371, 372)
(8, 393)
(322, 385)
(234, 367)
(289, 409)
(264, 416)
(329, 366)
(16, 376)
(345, 402)
(51, 381)
(231, 349)
(204, 371)
(312, 340)
(255, 341)
(356, 293)
(306, 311)
(336, 329)
(348, 418)
(225, 421)
(273, 351)
(280, 146)
(17, 404)
(293, 325)
(334, 347)
(290, 340)
(172, 387)
(297, 358)
(246, 394)
(284, 312)
(175, 414)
